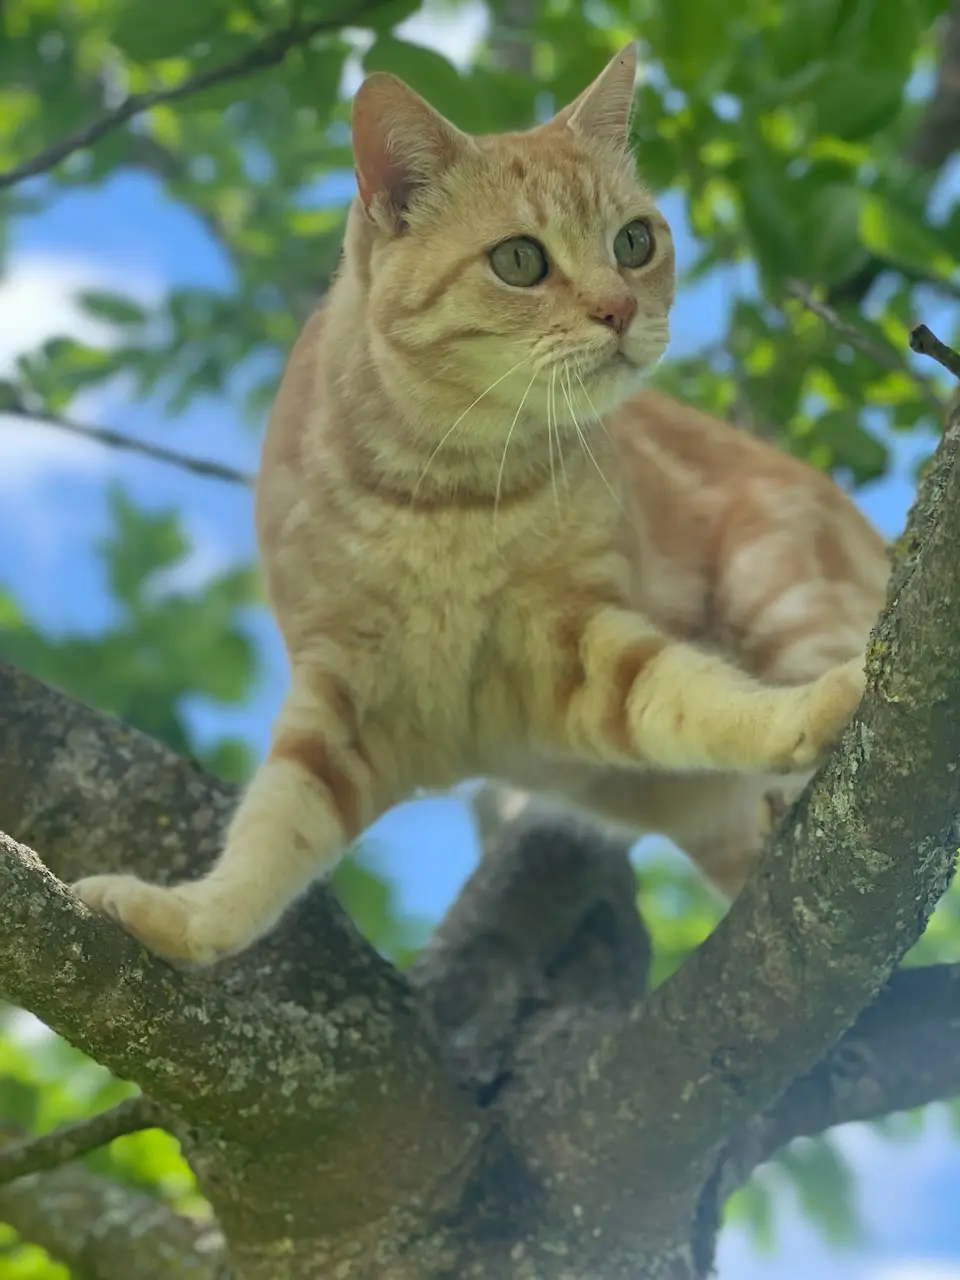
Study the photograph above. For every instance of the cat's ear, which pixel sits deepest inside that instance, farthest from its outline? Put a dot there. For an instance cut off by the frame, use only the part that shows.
(602, 112)
(400, 143)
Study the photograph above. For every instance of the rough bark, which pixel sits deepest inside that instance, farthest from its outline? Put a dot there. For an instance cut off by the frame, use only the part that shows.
(517, 1107)
(106, 1232)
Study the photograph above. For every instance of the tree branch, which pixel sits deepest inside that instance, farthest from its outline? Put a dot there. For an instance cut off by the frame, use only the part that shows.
(846, 888)
(269, 52)
(33, 1155)
(928, 344)
(93, 795)
(885, 357)
(117, 440)
(546, 926)
(902, 1052)
(104, 1231)
(189, 1042)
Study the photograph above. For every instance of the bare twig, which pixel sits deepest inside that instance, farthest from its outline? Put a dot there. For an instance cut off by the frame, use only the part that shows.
(270, 52)
(117, 440)
(884, 356)
(926, 343)
(74, 1140)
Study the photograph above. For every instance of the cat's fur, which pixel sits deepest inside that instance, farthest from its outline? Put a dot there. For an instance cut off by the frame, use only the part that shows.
(653, 615)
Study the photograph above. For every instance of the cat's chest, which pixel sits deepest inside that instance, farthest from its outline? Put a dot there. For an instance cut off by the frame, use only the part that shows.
(460, 629)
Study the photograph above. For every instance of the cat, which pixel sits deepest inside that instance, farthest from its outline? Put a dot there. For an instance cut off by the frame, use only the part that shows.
(491, 553)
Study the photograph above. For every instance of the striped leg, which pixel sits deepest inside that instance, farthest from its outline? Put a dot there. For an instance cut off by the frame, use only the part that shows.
(312, 795)
(633, 695)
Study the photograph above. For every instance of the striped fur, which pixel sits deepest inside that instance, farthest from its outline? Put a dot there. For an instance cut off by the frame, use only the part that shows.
(491, 552)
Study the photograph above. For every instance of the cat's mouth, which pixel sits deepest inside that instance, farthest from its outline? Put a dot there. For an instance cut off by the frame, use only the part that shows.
(610, 360)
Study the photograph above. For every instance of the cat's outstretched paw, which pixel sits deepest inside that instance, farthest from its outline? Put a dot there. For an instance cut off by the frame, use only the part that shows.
(816, 716)
(166, 921)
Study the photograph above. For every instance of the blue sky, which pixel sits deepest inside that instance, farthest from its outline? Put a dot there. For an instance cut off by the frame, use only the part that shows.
(52, 495)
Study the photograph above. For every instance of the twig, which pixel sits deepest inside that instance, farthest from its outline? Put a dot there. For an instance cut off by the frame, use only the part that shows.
(117, 440)
(926, 343)
(75, 1140)
(884, 356)
(268, 53)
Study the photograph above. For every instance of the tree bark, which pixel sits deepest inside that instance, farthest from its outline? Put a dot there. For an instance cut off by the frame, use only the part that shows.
(517, 1108)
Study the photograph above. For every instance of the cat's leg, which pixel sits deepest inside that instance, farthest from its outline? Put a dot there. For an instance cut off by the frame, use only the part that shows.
(719, 820)
(313, 794)
(628, 693)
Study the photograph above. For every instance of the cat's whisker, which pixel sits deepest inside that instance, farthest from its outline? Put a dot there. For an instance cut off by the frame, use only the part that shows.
(593, 408)
(506, 446)
(446, 436)
(553, 474)
(566, 383)
(556, 427)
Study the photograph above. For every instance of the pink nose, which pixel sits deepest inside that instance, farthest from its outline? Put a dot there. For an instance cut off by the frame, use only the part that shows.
(615, 312)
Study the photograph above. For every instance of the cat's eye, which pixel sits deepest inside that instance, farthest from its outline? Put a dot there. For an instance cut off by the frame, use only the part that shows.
(633, 246)
(520, 261)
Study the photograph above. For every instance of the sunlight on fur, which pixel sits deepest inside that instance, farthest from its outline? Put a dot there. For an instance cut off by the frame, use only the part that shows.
(491, 553)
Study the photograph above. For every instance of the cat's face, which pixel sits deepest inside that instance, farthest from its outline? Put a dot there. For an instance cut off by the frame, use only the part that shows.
(532, 270)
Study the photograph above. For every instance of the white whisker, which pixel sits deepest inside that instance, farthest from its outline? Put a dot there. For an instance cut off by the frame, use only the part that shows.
(593, 408)
(584, 443)
(556, 427)
(506, 445)
(553, 473)
(456, 424)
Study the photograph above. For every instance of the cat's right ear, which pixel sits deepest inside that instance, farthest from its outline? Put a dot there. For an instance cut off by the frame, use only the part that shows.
(399, 144)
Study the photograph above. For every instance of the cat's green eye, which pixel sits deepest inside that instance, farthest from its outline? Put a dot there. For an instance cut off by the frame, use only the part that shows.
(633, 246)
(520, 262)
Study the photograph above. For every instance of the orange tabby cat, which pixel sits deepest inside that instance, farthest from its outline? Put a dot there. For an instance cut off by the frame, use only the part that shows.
(490, 555)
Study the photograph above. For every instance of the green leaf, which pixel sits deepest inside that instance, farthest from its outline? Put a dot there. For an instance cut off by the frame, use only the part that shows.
(824, 1187)
(142, 544)
(853, 103)
(151, 29)
(770, 220)
(892, 234)
(802, 38)
(11, 396)
(112, 307)
(752, 1206)
(832, 232)
(426, 71)
(379, 17)
(690, 41)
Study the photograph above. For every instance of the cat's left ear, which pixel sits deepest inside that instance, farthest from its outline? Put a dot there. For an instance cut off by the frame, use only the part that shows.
(400, 143)
(602, 112)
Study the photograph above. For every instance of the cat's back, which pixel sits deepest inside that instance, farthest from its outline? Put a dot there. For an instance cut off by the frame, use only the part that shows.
(718, 504)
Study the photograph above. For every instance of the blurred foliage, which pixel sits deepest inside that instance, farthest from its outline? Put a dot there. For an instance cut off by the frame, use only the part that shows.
(781, 128)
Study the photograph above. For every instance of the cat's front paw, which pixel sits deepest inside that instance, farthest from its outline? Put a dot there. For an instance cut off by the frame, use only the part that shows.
(166, 921)
(819, 713)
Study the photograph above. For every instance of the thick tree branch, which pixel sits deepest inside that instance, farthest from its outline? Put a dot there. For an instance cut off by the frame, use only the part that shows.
(33, 1155)
(90, 794)
(269, 52)
(104, 1231)
(547, 926)
(902, 1052)
(847, 887)
(190, 1043)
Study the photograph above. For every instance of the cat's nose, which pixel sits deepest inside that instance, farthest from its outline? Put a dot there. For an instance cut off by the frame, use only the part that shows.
(615, 311)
